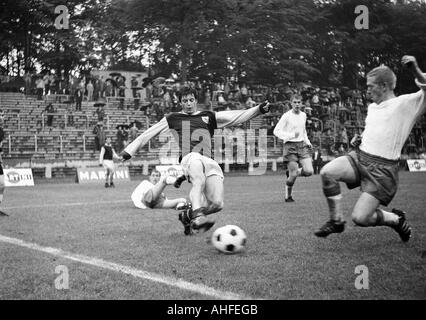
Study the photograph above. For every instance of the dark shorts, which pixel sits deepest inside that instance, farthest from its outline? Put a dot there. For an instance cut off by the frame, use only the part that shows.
(295, 151)
(150, 202)
(375, 175)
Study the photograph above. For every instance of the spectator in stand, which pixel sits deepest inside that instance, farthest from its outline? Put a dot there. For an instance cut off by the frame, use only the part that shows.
(102, 87)
(100, 112)
(78, 98)
(134, 132)
(100, 136)
(244, 93)
(250, 103)
(221, 100)
(317, 160)
(46, 84)
(109, 88)
(342, 139)
(120, 138)
(90, 89)
(49, 110)
(40, 88)
(27, 83)
(125, 135)
(167, 99)
(52, 83)
(175, 101)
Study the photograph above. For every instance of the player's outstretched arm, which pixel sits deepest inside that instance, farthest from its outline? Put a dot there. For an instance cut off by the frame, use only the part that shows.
(411, 63)
(415, 101)
(143, 139)
(237, 117)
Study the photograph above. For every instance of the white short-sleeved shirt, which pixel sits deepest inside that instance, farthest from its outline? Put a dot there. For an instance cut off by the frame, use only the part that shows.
(139, 193)
(389, 123)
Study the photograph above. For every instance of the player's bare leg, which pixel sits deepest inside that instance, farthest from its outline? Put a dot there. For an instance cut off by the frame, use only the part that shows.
(214, 193)
(306, 169)
(107, 178)
(111, 177)
(2, 187)
(159, 187)
(367, 213)
(198, 179)
(293, 168)
(178, 204)
(339, 169)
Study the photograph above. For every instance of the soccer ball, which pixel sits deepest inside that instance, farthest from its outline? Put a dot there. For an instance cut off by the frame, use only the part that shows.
(229, 239)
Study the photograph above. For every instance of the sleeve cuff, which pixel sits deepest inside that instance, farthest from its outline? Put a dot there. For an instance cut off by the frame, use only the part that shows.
(420, 85)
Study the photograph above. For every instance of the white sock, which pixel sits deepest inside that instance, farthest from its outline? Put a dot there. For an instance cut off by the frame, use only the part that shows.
(335, 206)
(389, 218)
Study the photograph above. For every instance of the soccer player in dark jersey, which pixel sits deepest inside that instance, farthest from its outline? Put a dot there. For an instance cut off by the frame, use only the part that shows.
(194, 130)
(106, 160)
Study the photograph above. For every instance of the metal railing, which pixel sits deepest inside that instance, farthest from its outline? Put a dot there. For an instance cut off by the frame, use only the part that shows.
(66, 117)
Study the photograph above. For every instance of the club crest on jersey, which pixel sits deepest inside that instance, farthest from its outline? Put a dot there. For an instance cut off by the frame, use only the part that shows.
(205, 119)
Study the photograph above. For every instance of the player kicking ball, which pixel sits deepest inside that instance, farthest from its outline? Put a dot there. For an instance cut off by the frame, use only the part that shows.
(106, 160)
(375, 163)
(291, 128)
(194, 130)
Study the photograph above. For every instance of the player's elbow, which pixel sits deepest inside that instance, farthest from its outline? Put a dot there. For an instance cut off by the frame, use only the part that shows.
(276, 132)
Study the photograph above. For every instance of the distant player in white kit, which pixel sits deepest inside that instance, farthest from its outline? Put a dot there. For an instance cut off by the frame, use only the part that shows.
(149, 194)
(374, 165)
(106, 159)
(297, 148)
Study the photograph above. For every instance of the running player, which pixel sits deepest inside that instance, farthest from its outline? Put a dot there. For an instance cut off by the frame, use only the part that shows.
(375, 163)
(297, 148)
(106, 160)
(194, 131)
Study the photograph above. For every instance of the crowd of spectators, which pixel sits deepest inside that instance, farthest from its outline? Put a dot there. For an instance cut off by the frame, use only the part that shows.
(334, 115)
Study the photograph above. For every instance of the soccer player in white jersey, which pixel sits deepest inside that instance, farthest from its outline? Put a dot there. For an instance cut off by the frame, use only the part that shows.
(149, 194)
(297, 148)
(375, 163)
(194, 130)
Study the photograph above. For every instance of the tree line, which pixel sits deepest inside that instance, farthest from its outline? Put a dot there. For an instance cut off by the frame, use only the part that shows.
(252, 41)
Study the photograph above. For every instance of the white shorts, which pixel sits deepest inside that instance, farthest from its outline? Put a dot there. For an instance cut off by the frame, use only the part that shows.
(211, 167)
(108, 164)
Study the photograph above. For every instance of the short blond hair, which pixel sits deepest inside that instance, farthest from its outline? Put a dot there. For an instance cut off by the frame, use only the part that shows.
(384, 74)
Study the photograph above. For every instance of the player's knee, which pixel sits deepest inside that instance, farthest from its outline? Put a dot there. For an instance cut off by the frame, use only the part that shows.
(148, 199)
(292, 172)
(330, 185)
(307, 172)
(359, 219)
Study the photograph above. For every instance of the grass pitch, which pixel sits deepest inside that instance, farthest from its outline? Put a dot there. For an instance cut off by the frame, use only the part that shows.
(283, 259)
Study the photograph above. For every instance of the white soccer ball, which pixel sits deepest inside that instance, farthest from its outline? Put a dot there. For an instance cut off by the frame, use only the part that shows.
(229, 239)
